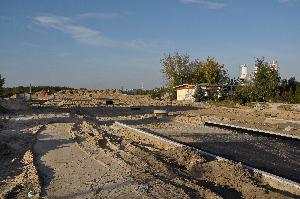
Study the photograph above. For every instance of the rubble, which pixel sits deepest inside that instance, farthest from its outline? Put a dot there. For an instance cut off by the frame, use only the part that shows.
(290, 128)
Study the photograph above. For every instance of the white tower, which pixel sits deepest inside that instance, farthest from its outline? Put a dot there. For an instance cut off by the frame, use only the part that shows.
(244, 72)
(274, 65)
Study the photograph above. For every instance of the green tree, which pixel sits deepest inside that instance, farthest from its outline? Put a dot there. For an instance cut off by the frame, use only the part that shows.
(292, 85)
(243, 95)
(265, 82)
(283, 90)
(208, 71)
(214, 73)
(2, 81)
(198, 75)
(297, 92)
(288, 90)
(176, 70)
(20, 89)
(199, 94)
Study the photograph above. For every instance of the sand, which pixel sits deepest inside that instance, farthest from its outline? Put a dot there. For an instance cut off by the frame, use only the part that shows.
(70, 148)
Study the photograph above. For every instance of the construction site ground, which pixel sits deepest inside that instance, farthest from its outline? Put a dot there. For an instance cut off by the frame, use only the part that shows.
(73, 149)
(275, 155)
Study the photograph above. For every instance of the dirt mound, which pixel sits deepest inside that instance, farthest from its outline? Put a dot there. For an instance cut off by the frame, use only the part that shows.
(25, 184)
(92, 98)
(165, 170)
(18, 175)
(151, 168)
(41, 95)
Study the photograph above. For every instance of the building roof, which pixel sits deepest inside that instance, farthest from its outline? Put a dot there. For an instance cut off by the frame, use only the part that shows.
(185, 86)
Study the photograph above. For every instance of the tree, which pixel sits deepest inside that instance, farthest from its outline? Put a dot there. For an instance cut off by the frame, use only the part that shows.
(198, 75)
(243, 95)
(283, 90)
(208, 71)
(20, 89)
(287, 90)
(2, 81)
(176, 70)
(214, 72)
(199, 94)
(266, 81)
(292, 85)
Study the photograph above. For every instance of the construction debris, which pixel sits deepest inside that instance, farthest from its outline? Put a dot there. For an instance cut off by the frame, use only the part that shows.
(290, 128)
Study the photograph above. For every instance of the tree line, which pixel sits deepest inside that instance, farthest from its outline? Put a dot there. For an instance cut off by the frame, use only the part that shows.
(264, 85)
(10, 91)
(178, 69)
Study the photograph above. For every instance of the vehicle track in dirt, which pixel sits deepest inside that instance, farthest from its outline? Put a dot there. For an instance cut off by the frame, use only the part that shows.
(67, 171)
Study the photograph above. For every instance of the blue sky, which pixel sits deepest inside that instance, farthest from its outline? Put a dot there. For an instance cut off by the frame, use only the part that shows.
(119, 43)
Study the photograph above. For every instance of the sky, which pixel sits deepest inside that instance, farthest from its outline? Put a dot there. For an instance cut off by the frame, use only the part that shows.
(119, 43)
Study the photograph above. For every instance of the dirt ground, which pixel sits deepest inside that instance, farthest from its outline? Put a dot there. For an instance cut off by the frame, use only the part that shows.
(70, 147)
(277, 156)
(270, 116)
(18, 174)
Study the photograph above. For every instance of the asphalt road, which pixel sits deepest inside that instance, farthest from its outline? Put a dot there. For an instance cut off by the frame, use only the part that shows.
(274, 155)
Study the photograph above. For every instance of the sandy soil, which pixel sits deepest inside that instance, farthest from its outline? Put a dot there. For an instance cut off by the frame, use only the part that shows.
(277, 156)
(18, 174)
(265, 119)
(69, 172)
(78, 153)
(273, 117)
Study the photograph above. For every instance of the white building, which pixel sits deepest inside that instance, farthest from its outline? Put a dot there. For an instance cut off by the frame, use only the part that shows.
(185, 92)
(23, 96)
(244, 73)
(274, 65)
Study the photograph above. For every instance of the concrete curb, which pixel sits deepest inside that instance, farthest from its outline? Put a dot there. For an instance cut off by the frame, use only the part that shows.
(263, 173)
(251, 130)
(169, 141)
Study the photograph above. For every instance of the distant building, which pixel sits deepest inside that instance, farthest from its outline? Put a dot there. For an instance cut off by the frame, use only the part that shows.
(23, 96)
(210, 90)
(274, 65)
(244, 73)
(185, 92)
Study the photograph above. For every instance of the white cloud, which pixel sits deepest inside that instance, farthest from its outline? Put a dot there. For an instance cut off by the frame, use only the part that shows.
(52, 20)
(98, 15)
(88, 36)
(205, 3)
(79, 33)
